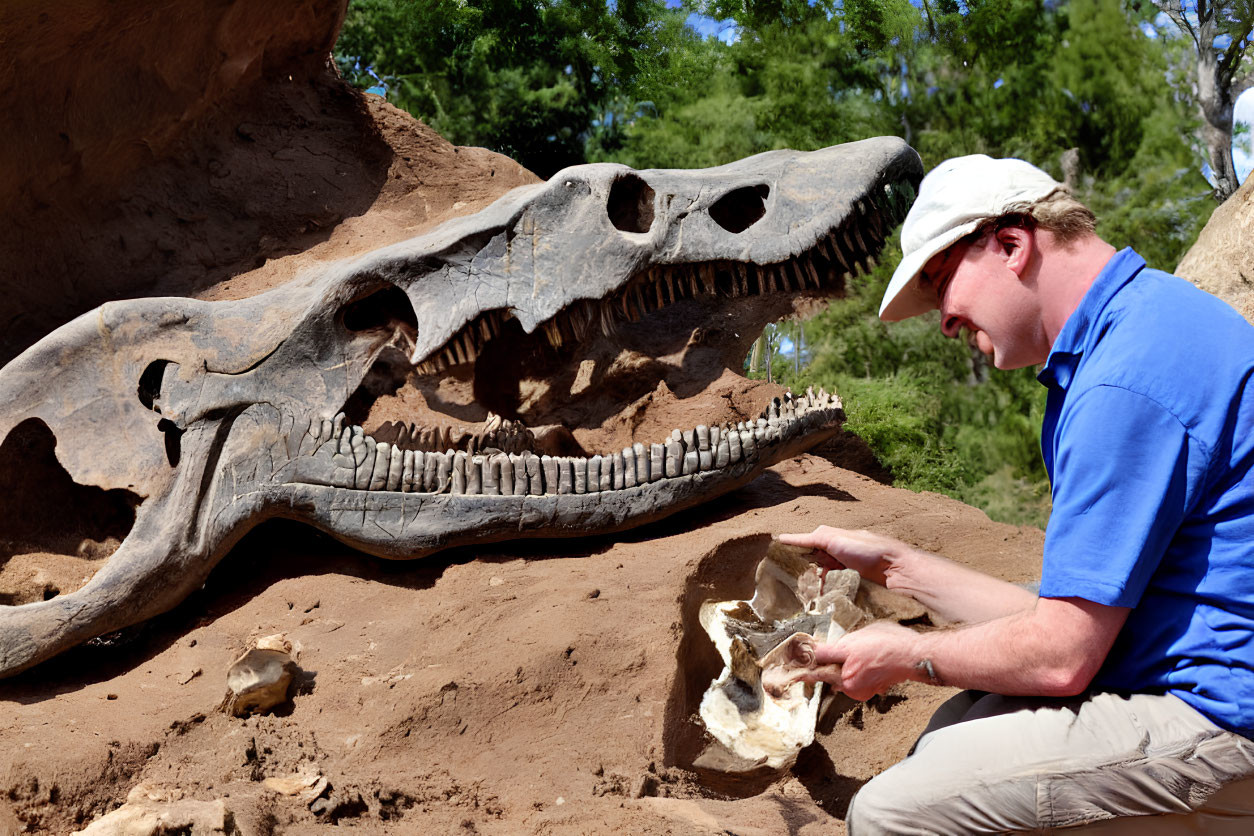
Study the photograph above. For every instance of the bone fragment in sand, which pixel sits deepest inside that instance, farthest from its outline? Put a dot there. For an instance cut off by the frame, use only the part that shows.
(759, 711)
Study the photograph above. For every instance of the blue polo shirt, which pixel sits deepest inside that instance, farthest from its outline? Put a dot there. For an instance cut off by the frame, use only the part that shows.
(1149, 442)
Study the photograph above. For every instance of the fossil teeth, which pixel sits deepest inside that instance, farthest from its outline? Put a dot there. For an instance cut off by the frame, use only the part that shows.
(812, 274)
(411, 465)
(504, 470)
(607, 473)
(594, 474)
(565, 475)
(657, 458)
(474, 474)
(396, 469)
(620, 475)
(733, 444)
(424, 471)
(459, 472)
(535, 475)
(548, 465)
(748, 444)
(642, 463)
(722, 455)
(363, 456)
(444, 465)
(674, 457)
(629, 467)
(703, 437)
(519, 465)
(692, 462)
(714, 436)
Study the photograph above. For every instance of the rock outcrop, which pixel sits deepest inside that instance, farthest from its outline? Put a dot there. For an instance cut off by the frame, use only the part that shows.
(1221, 261)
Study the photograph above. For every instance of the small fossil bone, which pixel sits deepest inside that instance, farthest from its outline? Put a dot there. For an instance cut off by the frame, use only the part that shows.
(758, 710)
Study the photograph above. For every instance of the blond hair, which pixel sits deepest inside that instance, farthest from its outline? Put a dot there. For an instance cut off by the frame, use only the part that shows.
(1060, 213)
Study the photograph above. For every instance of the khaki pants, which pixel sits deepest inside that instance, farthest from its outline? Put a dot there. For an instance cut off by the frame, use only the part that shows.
(993, 764)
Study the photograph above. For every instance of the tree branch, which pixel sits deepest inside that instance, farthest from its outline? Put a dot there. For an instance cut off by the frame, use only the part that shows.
(1232, 55)
(1175, 11)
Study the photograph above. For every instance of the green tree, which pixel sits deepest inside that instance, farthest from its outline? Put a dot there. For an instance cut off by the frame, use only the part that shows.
(528, 78)
(1219, 33)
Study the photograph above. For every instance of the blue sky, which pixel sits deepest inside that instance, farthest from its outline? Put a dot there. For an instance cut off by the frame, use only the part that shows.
(725, 30)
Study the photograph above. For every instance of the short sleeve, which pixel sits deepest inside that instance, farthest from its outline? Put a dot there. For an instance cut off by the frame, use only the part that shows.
(1122, 487)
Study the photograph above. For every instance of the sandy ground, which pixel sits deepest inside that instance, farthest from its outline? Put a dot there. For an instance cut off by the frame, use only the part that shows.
(540, 687)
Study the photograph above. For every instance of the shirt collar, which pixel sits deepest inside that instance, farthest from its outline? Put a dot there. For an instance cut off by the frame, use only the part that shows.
(1078, 333)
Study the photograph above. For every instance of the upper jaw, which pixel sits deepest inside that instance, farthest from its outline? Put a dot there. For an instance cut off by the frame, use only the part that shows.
(567, 258)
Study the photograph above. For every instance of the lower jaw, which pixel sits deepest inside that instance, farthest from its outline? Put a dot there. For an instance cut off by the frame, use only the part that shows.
(398, 524)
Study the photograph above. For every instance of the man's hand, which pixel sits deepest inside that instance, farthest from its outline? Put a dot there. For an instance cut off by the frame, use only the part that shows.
(870, 554)
(954, 594)
(871, 660)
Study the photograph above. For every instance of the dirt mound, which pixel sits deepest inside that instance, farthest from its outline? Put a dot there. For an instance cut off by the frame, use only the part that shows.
(157, 150)
(547, 686)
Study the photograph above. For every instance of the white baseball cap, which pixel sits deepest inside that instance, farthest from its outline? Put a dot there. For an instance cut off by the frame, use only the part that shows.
(954, 199)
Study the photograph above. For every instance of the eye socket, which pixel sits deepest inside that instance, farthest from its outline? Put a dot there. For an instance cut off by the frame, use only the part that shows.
(149, 388)
(740, 208)
(387, 307)
(631, 204)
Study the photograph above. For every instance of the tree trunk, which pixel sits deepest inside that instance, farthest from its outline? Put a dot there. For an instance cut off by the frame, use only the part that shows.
(797, 353)
(1215, 104)
(769, 357)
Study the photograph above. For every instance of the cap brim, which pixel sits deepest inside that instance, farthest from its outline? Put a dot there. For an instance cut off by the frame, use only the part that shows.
(904, 297)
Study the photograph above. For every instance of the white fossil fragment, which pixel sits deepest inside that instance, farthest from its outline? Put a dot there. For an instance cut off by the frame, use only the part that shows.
(260, 678)
(758, 709)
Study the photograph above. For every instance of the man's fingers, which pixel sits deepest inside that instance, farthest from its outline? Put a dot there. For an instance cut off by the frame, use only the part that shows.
(824, 673)
(807, 540)
(829, 654)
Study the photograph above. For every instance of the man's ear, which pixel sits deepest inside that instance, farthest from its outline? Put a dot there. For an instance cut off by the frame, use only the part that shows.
(1018, 244)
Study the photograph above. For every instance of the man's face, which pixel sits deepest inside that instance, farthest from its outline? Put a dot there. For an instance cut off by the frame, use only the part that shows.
(976, 289)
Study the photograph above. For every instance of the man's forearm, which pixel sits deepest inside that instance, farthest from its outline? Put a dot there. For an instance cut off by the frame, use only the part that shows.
(1053, 649)
(956, 594)
(1004, 656)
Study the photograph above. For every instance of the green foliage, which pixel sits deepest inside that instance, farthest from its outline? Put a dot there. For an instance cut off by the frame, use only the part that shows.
(928, 406)
(553, 82)
(528, 78)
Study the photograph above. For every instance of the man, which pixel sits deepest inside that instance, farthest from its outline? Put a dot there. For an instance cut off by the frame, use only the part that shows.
(1126, 688)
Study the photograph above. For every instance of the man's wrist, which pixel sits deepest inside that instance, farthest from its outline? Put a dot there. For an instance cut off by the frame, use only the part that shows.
(922, 652)
(926, 672)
